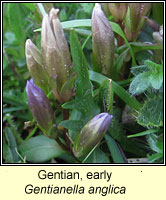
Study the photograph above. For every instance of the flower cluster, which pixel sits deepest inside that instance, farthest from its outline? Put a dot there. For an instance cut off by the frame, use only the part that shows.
(51, 70)
(130, 16)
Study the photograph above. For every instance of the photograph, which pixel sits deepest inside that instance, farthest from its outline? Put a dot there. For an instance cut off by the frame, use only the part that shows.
(83, 83)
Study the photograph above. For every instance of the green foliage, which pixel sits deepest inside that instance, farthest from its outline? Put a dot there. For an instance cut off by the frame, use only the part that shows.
(106, 95)
(84, 100)
(137, 82)
(16, 16)
(97, 156)
(114, 150)
(40, 149)
(157, 148)
(158, 15)
(148, 75)
(151, 113)
(9, 146)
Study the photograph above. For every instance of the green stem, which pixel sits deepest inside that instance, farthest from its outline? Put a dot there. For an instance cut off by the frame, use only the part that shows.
(86, 40)
(31, 134)
(125, 82)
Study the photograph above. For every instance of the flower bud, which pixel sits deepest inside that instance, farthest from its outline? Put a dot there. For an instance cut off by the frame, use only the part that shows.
(118, 11)
(102, 41)
(40, 106)
(158, 39)
(105, 9)
(92, 133)
(158, 36)
(134, 20)
(34, 64)
(55, 54)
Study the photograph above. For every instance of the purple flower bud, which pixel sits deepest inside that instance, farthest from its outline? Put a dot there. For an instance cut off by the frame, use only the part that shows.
(40, 106)
(105, 9)
(118, 10)
(92, 133)
(102, 41)
(55, 54)
(134, 20)
(34, 64)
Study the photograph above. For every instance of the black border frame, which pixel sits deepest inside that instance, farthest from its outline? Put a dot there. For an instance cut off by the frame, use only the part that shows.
(94, 164)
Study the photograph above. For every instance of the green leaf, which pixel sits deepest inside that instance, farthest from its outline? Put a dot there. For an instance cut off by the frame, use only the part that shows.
(40, 149)
(76, 23)
(117, 29)
(84, 100)
(143, 133)
(97, 156)
(10, 152)
(117, 132)
(97, 77)
(120, 91)
(154, 144)
(157, 80)
(114, 149)
(7, 153)
(30, 6)
(72, 124)
(151, 113)
(139, 69)
(68, 86)
(106, 95)
(16, 16)
(84, 86)
(14, 98)
(11, 109)
(141, 46)
(140, 83)
(157, 11)
(155, 68)
(119, 64)
(76, 116)
(154, 157)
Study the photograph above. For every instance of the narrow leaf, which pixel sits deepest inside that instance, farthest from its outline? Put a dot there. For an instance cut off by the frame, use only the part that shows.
(114, 149)
(143, 133)
(11, 145)
(120, 91)
(83, 83)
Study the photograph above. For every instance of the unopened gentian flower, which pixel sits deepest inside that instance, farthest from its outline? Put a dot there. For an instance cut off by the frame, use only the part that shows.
(35, 67)
(105, 9)
(40, 106)
(158, 39)
(118, 11)
(134, 20)
(92, 133)
(56, 56)
(102, 42)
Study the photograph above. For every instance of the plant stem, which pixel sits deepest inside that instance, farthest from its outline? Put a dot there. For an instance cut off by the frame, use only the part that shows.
(120, 40)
